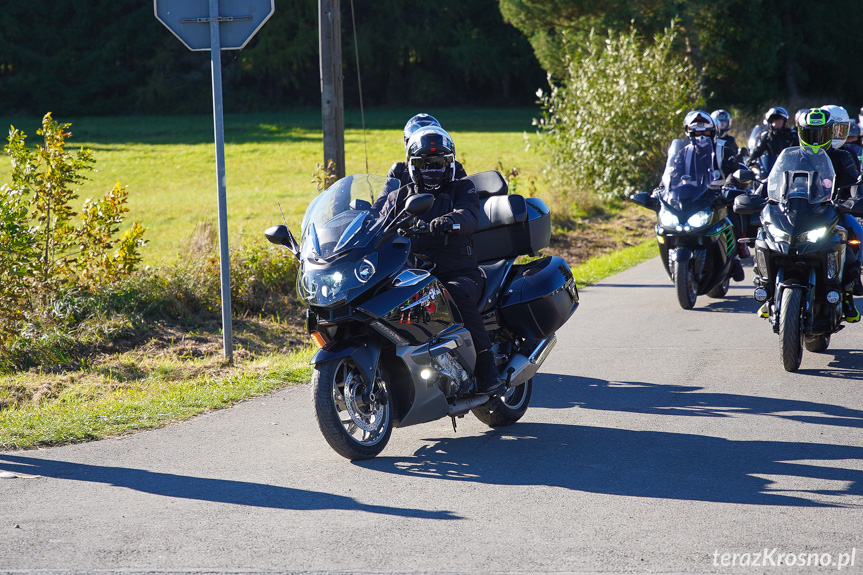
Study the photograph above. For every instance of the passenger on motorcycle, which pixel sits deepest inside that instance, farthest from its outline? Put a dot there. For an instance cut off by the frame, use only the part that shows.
(726, 145)
(399, 170)
(432, 168)
(818, 133)
(775, 138)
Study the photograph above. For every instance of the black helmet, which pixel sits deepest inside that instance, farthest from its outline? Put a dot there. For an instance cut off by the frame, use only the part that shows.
(773, 114)
(699, 123)
(722, 119)
(431, 158)
(854, 129)
(815, 130)
(417, 122)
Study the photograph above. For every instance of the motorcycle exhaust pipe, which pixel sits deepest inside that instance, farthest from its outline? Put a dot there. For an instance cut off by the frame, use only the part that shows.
(523, 368)
(462, 406)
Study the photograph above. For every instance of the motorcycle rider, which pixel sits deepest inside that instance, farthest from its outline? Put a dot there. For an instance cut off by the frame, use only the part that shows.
(399, 170)
(432, 169)
(726, 145)
(818, 132)
(700, 128)
(775, 138)
(853, 144)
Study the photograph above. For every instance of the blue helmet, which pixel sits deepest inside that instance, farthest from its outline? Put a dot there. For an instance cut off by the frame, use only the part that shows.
(417, 122)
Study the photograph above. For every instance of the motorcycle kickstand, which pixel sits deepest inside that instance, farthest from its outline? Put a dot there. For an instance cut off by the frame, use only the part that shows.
(454, 430)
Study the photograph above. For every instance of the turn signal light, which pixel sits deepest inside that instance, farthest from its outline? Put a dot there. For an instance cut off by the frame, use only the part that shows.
(854, 242)
(318, 338)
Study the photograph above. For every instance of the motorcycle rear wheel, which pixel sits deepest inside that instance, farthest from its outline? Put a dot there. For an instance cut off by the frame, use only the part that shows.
(508, 408)
(791, 344)
(355, 421)
(817, 344)
(684, 283)
(721, 290)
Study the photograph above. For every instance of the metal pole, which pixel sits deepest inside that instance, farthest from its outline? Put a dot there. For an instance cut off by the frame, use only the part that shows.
(332, 99)
(219, 128)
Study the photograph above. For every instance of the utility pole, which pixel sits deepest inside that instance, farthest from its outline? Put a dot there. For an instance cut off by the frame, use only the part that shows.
(332, 98)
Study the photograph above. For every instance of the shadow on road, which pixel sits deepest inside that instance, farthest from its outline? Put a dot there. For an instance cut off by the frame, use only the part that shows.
(728, 304)
(846, 364)
(205, 489)
(642, 464)
(557, 391)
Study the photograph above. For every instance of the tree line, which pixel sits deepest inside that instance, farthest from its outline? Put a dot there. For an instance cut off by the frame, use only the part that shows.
(114, 57)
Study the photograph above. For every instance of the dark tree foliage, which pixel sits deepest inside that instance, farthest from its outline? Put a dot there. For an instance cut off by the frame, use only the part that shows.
(750, 51)
(114, 57)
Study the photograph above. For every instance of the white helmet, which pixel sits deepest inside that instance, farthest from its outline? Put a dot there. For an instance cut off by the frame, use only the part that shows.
(841, 124)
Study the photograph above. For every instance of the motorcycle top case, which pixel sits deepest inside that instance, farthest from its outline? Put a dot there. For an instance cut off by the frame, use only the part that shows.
(540, 299)
(509, 225)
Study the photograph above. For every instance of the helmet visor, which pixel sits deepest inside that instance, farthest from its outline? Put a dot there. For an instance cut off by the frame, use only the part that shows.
(815, 136)
(431, 163)
(841, 130)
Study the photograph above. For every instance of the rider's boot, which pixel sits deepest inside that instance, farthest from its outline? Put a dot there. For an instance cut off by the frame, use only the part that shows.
(764, 310)
(737, 270)
(487, 377)
(852, 314)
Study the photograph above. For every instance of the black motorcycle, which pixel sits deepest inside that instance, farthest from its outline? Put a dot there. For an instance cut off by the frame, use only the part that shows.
(697, 241)
(800, 252)
(393, 350)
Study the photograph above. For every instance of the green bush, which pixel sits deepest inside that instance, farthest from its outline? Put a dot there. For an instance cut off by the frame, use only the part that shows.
(48, 248)
(607, 127)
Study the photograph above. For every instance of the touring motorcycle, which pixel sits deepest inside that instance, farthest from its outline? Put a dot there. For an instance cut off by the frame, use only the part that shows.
(697, 240)
(393, 349)
(800, 252)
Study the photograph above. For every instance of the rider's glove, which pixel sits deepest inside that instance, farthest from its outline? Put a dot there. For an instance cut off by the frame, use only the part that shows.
(440, 226)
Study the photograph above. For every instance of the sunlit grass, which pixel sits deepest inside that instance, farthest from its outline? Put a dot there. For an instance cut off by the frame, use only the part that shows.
(169, 163)
(129, 394)
(597, 269)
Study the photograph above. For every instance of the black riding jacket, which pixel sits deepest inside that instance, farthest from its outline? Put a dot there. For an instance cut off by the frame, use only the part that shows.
(846, 170)
(453, 253)
(399, 171)
(770, 142)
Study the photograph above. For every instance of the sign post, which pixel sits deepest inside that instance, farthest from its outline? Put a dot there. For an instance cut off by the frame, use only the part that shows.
(242, 19)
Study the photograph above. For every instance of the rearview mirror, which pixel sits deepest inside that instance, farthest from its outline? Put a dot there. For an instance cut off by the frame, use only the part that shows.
(282, 236)
(744, 175)
(419, 204)
(644, 199)
(748, 204)
(853, 206)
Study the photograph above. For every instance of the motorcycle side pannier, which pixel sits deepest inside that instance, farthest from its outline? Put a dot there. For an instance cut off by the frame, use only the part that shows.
(539, 299)
(509, 225)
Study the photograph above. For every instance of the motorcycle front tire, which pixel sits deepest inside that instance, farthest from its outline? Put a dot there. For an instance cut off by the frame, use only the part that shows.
(790, 329)
(684, 283)
(355, 426)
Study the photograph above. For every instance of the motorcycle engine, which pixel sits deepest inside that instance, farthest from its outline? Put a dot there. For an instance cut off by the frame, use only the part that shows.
(453, 377)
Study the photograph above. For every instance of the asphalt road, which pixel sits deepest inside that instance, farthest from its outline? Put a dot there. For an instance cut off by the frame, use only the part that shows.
(658, 440)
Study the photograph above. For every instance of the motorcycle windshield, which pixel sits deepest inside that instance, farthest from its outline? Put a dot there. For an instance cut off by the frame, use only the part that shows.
(800, 174)
(339, 220)
(688, 172)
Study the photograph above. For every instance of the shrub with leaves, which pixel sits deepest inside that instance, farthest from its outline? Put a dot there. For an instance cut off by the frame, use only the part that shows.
(608, 126)
(47, 247)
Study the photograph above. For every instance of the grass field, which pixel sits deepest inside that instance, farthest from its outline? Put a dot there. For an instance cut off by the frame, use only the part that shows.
(169, 164)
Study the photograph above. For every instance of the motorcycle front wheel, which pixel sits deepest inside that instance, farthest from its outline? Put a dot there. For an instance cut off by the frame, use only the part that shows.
(508, 408)
(355, 418)
(684, 283)
(790, 332)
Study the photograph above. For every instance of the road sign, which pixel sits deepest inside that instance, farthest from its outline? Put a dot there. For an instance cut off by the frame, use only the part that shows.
(216, 25)
(238, 21)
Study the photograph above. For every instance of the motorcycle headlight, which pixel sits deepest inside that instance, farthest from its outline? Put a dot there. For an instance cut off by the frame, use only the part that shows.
(699, 219)
(778, 234)
(667, 219)
(813, 236)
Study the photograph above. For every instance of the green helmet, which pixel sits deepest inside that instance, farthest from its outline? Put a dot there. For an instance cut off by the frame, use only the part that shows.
(815, 130)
